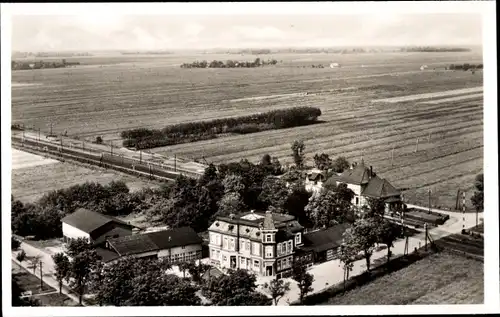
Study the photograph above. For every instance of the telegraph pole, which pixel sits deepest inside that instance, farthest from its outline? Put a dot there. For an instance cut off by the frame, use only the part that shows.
(416, 147)
(425, 228)
(38, 135)
(463, 210)
(140, 156)
(51, 124)
(429, 200)
(392, 156)
(41, 276)
(111, 148)
(175, 163)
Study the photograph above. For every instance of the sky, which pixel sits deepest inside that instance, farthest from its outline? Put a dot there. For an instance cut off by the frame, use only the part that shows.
(171, 32)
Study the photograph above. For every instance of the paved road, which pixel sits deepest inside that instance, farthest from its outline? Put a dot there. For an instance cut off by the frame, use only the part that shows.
(47, 268)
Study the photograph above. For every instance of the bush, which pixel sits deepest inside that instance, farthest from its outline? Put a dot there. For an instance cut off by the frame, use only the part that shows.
(98, 140)
(15, 244)
(21, 256)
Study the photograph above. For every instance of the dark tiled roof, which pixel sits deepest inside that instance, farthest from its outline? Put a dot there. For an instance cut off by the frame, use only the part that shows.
(133, 244)
(325, 239)
(360, 174)
(212, 272)
(152, 241)
(380, 188)
(107, 255)
(276, 217)
(176, 237)
(114, 232)
(86, 220)
(315, 175)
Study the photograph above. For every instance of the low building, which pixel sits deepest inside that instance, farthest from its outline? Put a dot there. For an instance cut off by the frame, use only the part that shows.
(174, 245)
(366, 184)
(94, 226)
(264, 243)
(314, 181)
(324, 245)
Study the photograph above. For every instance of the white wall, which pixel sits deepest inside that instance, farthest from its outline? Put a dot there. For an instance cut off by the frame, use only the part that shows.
(179, 250)
(73, 233)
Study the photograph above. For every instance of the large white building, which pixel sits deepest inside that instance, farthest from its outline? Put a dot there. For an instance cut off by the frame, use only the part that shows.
(263, 243)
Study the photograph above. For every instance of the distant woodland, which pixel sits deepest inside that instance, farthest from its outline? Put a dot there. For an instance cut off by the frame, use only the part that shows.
(23, 65)
(18, 54)
(229, 64)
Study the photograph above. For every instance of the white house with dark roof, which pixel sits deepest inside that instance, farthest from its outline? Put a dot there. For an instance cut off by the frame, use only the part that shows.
(94, 226)
(264, 243)
(366, 184)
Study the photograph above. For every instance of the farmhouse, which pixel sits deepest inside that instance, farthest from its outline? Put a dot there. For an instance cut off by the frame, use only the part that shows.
(314, 180)
(366, 184)
(174, 245)
(261, 242)
(94, 226)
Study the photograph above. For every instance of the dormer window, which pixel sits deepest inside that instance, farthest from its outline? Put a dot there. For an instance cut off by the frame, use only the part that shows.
(269, 238)
(298, 239)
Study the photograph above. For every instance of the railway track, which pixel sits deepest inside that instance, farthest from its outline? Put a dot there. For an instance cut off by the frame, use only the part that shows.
(119, 163)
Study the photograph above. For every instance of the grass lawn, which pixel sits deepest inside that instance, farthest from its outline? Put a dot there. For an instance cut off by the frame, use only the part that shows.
(441, 278)
(56, 299)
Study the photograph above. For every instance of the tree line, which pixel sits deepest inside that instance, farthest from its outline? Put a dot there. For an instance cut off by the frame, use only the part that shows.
(143, 138)
(465, 66)
(18, 65)
(229, 64)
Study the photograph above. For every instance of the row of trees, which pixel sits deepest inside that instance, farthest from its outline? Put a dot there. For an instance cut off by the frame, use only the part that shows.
(321, 161)
(20, 65)
(142, 138)
(465, 66)
(229, 64)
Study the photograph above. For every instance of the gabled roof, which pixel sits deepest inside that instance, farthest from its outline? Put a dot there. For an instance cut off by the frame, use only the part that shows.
(316, 174)
(86, 220)
(380, 188)
(89, 221)
(325, 239)
(212, 272)
(358, 175)
(155, 241)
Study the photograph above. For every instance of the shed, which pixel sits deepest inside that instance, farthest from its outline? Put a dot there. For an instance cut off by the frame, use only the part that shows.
(325, 244)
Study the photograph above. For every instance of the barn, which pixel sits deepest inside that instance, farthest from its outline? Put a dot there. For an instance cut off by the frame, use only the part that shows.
(94, 226)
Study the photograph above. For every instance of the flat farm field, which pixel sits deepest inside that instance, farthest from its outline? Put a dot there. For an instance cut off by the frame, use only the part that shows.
(30, 181)
(440, 279)
(442, 109)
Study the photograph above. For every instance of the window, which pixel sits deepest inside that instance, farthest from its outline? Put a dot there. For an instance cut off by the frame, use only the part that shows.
(217, 239)
(242, 245)
(289, 262)
(269, 251)
(212, 238)
(298, 239)
(290, 248)
(256, 264)
(269, 238)
(231, 245)
(242, 261)
(255, 248)
(225, 243)
(247, 246)
(283, 248)
(218, 255)
(214, 254)
(279, 265)
(357, 201)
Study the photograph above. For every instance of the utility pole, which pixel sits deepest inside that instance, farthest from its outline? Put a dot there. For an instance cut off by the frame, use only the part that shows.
(51, 124)
(425, 228)
(38, 135)
(463, 210)
(416, 146)
(457, 200)
(61, 142)
(175, 163)
(429, 200)
(41, 276)
(83, 145)
(111, 148)
(140, 156)
(429, 137)
(392, 156)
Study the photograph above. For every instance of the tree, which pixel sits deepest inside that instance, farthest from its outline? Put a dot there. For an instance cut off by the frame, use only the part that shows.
(62, 268)
(340, 164)
(347, 258)
(362, 236)
(35, 261)
(183, 267)
(298, 148)
(197, 270)
(330, 207)
(237, 288)
(277, 289)
(274, 192)
(82, 267)
(387, 233)
(21, 256)
(303, 278)
(322, 161)
(230, 203)
(77, 246)
(15, 244)
(266, 160)
(376, 207)
(233, 184)
(98, 140)
(295, 205)
(478, 198)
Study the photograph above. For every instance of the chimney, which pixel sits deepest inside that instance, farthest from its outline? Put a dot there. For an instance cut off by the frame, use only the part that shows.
(371, 171)
(169, 238)
(231, 216)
